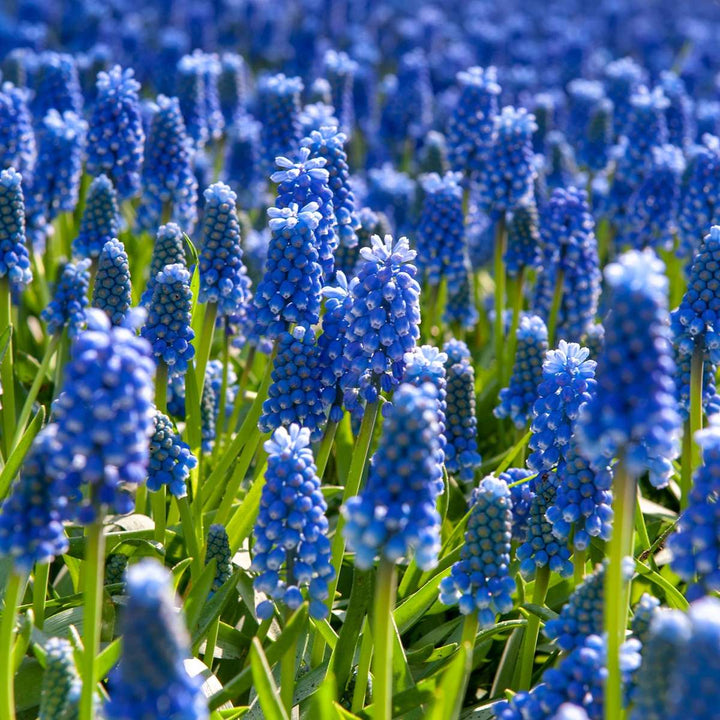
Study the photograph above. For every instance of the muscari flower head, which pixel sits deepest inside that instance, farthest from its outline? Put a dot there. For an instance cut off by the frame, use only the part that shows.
(590, 124)
(56, 84)
(290, 289)
(14, 257)
(170, 458)
(695, 544)
(31, 529)
(541, 548)
(654, 207)
(480, 581)
(569, 251)
(461, 455)
(471, 123)
(395, 513)
(67, 308)
(683, 371)
(100, 220)
(523, 238)
(167, 327)
(112, 291)
(507, 174)
(328, 143)
(643, 614)
(242, 161)
(460, 305)
(116, 136)
(61, 684)
(582, 615)
(116, 566)
(218, 549)
(295, 394)
(169, 249)
(634, 412)
(17, 137)
(568, 383)
(701, 197)
(679, 112)
(522, 492)
(623, 77)
(315, 116)
(340, 71)
(308, 181)
(441, 233)
(583, 503)
(223, 278)
(278, 105)
(233, 85)
(707, 117)
(57, 174)
(383, 319)
(191, 94)
(208, 416)
(331, 344)
(680, 662)
(577, 681)
(168, 180)
(104, 415)
(517, 400)
(393, 193)
(291, 549)
(151, 679)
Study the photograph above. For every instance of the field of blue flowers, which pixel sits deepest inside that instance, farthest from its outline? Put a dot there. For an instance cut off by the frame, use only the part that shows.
(358, 360)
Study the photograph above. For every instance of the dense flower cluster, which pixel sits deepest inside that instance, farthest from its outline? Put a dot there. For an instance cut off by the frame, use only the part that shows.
(61, 684)
(169, 249)
(17, 137)
(395, 514)
(67, 308)
(523, 239)
(14, 257)
(517, 400)
(170, 458)
(167, 327)
(522, 495)
(480, 581)
(291, 549)
(218, 549)
(278, 106)
(100, 220)
(151, 679)
(112, 291)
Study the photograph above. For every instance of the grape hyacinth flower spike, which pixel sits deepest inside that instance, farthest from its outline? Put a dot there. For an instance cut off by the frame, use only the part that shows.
(69, 303)
(100, 221)
(14, 257)
(291, 548)
(151, 679)
(112, 291)
(171, 459)
(61, 684)
(169, 249)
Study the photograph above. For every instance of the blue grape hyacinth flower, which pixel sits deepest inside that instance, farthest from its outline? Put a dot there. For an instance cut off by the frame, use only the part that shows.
(523, 240)
(623, 77)
(171, 459)
(14, 256)
(104, 415)
(18, 148)
(233, 85)
(278, 108)
(61, 684)
(590, 122)
(223, 278)
(480, 581)
(242, 167)
(31, 529)
(295, 394)
(169, 249)
(340, 70)
(517, 400)
(112, 291)
(289, 292)
(69, 303)
(151, 679)
(218, 549)
(291, 549)
(383, 319)
(634, 411)
(56, 84)
(395, 513)
(522, 490)
(116, 137)
(568, 383)
(167, 327)
(100, 221)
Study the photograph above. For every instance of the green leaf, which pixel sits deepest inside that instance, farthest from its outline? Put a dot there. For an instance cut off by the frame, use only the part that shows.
(107, 658)
(673, 596)
(243, 680)
(540, 611)
(264, 684)
(27, 684)
(512, 453)
(412, 610)
(18, 454)
(243, 519)
(451, 690)
(214, 607)
(323, 704)
(327, 633)
(193, 421)
(199, 594)
(179, 570)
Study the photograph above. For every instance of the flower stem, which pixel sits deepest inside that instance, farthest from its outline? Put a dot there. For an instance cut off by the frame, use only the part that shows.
(7, 376)
(363, 670)
(35, 387)
(287, 674)
(240, 397)
(500, 242)
(696, 417)
(323, 453)
(383, 634)
(616, 589)
(578, 566)
(92, 614)
(40, 584)
(161, 385)
(527, 661)
(555, 307)
(222, 405)
(191, 540)
(13, 595)
(204, 345)
(469, 632)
